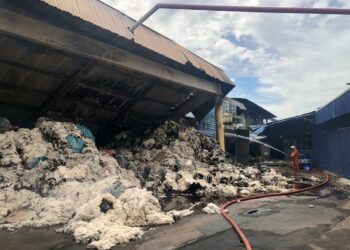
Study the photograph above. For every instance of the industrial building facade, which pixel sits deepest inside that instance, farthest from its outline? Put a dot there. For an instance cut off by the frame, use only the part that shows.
(322, 135)
(241, 116)
(293, 131)
(331, 137)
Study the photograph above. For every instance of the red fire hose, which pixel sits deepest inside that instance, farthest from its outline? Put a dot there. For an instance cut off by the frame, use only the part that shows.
(235, 225)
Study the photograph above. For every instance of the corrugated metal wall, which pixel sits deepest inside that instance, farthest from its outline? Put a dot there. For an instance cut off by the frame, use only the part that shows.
(331, 138)
(334, 109)
(207, 125)
(332, 149)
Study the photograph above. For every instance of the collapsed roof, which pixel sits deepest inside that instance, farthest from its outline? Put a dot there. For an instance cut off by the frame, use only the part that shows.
(77, 60)
(254, 109)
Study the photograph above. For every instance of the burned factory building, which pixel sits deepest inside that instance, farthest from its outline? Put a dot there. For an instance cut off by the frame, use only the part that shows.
(294, 131)
(242, 117)
(111, 133)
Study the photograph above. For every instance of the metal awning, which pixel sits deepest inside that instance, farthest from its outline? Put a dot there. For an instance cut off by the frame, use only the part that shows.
(51, 64)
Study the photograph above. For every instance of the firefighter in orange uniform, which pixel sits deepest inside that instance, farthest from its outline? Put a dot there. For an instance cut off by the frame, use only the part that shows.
(295, 158)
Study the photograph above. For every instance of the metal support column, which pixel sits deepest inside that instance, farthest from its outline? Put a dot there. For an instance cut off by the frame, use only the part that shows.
(219, 115)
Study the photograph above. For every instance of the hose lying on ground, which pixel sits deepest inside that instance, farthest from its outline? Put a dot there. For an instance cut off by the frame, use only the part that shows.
(238, 200)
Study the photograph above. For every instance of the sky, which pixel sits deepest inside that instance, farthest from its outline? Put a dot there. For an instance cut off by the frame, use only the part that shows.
(289, 64)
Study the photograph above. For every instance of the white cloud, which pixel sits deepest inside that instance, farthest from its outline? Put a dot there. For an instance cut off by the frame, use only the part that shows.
(300, 61)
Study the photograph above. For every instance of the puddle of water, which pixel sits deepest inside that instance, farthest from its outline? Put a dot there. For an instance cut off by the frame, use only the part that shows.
(184, 202)
(340, 194)
(253, 211)
(262, 211)
(302, 185)
(37, 239)
(178, 202)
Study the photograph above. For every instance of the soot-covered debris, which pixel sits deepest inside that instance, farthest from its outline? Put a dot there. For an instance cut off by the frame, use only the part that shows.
(55, 175)
(176, 159)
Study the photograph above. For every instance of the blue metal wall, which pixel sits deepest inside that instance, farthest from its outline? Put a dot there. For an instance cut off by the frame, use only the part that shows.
(331, 138)
(334, 109)
(332, 149)
(207, 125)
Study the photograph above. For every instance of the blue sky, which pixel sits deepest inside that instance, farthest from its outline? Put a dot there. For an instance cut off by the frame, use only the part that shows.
(289, 64)
(246, 85)
(247, 88)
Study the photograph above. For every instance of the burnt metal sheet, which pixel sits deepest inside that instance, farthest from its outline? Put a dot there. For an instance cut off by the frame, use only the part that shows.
(254, 109)
(108, 18)
(233, 102)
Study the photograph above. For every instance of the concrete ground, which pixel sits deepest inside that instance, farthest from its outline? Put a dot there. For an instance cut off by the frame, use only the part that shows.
(312, 221)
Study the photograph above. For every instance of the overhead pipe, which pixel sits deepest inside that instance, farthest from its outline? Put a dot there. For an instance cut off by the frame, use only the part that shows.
(285, 10)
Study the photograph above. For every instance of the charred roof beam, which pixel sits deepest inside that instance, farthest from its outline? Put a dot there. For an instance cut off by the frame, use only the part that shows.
(32, 69)
(137, 95)
(57, 98)
(194, 100)
(8, 86)
(121, 94)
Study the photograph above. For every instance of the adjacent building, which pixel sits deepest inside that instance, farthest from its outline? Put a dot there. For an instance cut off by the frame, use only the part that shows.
(293, 131)
(331, 138)
(241, 117)
(239, 113)
(322, 135)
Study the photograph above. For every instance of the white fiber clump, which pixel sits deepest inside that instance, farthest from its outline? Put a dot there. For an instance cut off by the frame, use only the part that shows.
(120, 223)
(211, 208)
(55, 175)
(343, 182)
(176, 158)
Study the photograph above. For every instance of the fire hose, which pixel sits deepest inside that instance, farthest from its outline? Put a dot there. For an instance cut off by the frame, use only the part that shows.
(235, 226)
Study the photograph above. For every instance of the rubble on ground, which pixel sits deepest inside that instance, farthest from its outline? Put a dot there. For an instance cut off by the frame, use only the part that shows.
(314, 179)
(55, 175)
(343, 182)
(175, 159)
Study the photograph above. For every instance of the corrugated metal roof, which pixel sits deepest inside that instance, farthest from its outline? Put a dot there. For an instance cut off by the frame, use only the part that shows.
(306, 117)
(106, 17)
(336, 108)
(234, 103)
(254, 109)
(257, 129)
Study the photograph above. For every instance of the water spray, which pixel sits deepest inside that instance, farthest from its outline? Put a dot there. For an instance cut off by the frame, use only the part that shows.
(255, 141)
